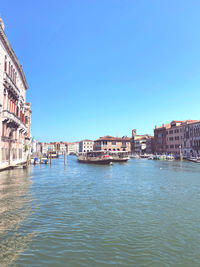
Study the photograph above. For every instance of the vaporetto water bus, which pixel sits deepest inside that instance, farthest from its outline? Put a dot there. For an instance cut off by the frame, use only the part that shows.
(119, 156)
(95, 157)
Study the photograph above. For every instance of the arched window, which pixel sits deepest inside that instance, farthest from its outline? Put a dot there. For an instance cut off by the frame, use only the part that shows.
(11, 72)
(5, 64)
(9, 69)
(17, 111)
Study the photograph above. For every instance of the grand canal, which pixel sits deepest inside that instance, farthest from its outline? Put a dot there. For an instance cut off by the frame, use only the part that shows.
(141, 213)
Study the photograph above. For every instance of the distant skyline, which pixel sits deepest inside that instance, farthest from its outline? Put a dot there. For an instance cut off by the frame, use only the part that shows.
(98, 68)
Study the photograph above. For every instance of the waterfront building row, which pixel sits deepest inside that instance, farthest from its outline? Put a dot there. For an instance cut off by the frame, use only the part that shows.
(110, 143)
(106, 143)
(15, 113)
(60, 148)
(141, 144)
(180, 138)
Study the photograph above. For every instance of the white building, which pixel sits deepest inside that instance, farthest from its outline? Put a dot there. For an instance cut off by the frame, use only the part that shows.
(34, 146)
(86, 145)
(73, 148)
(13, 86)
(62, 148)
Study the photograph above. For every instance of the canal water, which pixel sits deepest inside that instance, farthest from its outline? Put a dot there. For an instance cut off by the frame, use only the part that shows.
(140, 213)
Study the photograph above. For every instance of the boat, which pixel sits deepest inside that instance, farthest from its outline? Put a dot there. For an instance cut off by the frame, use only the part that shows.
(135, 156)
(170, 157)
(95, 157)
(35, 161)
(163, 157)
(193, 159)
(156, 157)
(119, 156)
(159, 157)
(52, 154)
(144, 156)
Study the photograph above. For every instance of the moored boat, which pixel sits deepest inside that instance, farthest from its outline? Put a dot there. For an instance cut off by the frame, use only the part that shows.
(95, 157)
(170, 157)
(134, 156)
(52, 154)
(196, 160)
(119, 156)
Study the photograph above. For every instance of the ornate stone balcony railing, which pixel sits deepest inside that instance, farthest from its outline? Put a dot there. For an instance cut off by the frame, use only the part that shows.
(11, 84)
(12, 117)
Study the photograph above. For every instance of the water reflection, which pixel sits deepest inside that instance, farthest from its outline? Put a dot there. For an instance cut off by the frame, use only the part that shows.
(15, 207)
(143, 213)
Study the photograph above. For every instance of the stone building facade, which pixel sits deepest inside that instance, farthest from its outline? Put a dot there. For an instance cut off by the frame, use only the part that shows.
(169, 138)
(174, 138)
(15, 127)
(191, 140)
(86, 145)
(110, 143)
(62, 148)
(160, 138)
(73, 148)
(141, 144)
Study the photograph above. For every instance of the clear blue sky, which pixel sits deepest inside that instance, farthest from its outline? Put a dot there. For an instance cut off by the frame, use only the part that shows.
(98, 67)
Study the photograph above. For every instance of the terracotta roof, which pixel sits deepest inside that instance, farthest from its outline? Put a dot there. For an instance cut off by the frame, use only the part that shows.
(143, 136)
(111, 138)
(168, 125)
(87, 140)
(190, 121)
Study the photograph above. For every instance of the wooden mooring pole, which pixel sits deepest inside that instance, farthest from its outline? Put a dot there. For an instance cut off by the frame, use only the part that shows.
(65, 158)
(27, 162)
(40, 158)
(50, 157)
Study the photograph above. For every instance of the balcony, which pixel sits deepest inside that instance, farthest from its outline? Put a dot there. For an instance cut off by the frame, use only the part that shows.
(7, 115)
(13, 119)
(10, 84)
(124, 146)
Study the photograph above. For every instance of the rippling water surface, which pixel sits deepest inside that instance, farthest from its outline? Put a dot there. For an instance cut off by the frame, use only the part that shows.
(140, 213)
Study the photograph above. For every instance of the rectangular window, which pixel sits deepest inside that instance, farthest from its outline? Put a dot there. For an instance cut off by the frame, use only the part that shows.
(123, 144)
(7, 154)
(2, 155)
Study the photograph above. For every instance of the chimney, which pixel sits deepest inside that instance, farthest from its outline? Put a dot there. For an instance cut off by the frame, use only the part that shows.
(2, 24)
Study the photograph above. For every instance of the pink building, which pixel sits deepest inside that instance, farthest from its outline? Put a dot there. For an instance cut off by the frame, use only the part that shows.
(15, 124)
(191, 140)
(174, 137)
